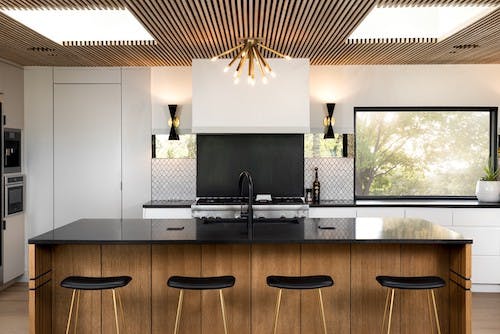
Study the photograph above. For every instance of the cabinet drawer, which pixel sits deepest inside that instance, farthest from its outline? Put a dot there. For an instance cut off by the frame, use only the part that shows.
(443, 217)
(332, 212)
(486, 239)
(476, 217)
(166, 213)
(380, 212)
(486, 269)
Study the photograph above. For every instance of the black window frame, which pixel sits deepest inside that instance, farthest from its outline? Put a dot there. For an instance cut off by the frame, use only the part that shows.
(493, 154)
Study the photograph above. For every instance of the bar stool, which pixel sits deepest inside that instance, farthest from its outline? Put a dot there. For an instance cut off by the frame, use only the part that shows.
(299, 283)
(79, 283)
(428, 283)
(200, 283)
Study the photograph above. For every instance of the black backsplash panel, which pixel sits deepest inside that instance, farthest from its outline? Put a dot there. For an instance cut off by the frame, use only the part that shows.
(276, 162)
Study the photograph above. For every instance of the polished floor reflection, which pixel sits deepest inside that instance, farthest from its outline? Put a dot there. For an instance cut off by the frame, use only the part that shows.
(14, 311)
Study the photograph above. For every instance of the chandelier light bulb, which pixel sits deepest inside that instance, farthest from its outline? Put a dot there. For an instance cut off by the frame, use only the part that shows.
(248, 53)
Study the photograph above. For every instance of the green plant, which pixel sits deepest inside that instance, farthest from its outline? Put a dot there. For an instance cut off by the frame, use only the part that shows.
(491, 174)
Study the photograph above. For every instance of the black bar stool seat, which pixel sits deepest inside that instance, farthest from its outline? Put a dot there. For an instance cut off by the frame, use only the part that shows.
(411, 283)
(300, 282)
(394, 283)
(316, 282)
(95, 283)
(79, 283)
(201, 283)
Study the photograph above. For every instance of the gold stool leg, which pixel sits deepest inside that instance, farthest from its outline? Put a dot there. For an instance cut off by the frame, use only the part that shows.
(435, 312)
(70, 312)
(77, 307)
(390, 312)
(276, 315)
(385, 309)
(322, 307)
(429, 304)
(179, 309)
(116, 312)
(118, 295)
(223, 309)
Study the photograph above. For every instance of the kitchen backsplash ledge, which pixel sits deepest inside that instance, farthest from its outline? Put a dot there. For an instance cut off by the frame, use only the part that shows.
(175, 179)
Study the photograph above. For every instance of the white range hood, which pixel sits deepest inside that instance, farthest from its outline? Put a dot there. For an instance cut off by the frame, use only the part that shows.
(280, 106)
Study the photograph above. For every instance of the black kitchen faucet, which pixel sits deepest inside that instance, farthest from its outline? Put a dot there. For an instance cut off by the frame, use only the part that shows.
(249, 213)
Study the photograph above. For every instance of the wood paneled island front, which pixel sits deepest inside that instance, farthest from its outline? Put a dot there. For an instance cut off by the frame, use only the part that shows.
(351, 250)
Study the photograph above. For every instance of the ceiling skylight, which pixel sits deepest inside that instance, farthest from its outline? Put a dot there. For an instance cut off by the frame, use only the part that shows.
(416, 24)
(83, 27)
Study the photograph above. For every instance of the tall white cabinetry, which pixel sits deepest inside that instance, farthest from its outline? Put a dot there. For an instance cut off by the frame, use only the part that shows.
(87, 151)
(88, 143)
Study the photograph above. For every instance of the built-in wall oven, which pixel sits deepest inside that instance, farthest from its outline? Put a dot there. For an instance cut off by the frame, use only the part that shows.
(13, 194)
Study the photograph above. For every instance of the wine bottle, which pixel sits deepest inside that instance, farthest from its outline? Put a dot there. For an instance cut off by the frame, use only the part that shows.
(316, 187)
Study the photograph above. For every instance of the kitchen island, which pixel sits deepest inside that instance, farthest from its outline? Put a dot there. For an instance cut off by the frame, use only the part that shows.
(351, 250)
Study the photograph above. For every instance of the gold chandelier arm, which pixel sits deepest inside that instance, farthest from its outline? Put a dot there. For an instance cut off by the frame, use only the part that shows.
(250, 63)
(228, 51)
(259, 62)
(243, 60)
(237, 56)
(263, 60)
(273, 51)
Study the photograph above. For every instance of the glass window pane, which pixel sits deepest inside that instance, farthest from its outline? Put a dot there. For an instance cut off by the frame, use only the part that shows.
(420, 153)
(184, 148)
(317, 147)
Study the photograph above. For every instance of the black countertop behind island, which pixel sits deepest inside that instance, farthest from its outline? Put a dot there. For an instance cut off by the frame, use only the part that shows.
(310, 230)
(173, 204)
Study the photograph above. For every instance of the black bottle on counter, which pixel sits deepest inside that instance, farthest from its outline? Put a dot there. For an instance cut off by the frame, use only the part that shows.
(316, 187)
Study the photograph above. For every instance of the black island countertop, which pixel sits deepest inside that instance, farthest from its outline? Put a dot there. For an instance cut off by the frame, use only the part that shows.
(347, 203)
(309, 230)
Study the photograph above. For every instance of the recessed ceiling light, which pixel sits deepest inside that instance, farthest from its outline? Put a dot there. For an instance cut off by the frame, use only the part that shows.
(415, 24)
(85, 27)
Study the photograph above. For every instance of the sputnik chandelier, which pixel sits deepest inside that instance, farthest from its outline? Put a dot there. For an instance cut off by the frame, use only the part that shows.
(249, 50)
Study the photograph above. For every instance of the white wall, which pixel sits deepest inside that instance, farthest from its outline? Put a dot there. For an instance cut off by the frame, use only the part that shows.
(400, 85)
(350, 86)
(171, 85)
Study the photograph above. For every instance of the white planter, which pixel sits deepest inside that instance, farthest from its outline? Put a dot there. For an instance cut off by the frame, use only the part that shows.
(488, 191)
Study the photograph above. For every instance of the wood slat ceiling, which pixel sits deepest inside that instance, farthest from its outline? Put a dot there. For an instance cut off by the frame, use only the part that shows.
(187, 29)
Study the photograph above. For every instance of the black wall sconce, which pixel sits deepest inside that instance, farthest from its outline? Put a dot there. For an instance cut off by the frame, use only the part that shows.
(329, 121)
(173, 122)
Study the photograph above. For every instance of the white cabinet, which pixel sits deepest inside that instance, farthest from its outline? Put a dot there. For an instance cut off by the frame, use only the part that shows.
(166, 213)
(325, 212)
(441, 216)
(482, 225)
(87, 152)
(136, 140)
(14, 247)
(380, 212)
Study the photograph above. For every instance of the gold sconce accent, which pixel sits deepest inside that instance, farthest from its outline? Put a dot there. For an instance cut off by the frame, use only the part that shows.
(249, 50)
(173, 122)
(329, 121)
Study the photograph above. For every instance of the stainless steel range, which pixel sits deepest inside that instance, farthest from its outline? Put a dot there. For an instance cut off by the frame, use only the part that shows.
(232, 207)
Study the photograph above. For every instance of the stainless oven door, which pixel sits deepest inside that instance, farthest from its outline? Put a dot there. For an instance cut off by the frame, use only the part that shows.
(14, 199)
